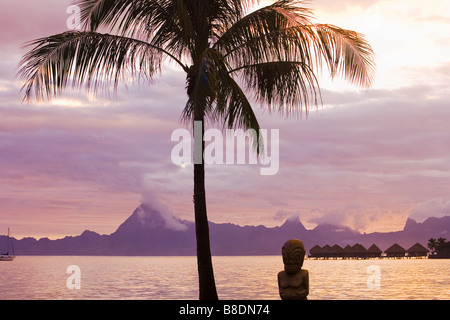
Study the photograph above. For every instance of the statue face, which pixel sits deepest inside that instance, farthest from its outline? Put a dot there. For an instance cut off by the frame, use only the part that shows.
(293, 255)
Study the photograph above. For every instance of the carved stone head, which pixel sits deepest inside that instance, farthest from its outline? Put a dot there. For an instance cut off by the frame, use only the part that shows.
(293, 255)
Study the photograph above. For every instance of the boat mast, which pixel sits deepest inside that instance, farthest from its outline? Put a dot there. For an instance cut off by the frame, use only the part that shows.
(10, 242)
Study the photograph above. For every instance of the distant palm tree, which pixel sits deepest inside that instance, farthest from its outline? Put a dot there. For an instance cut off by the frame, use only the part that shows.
(441, 242)
(220, 44)
(432, 245)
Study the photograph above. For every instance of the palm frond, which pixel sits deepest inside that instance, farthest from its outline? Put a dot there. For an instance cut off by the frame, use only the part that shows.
(238, 112)
(172, 24)
(233, 106)
(164, 23)
(222, 97)
(272, 50)
(263, 30)
(347, 53)
(88, 59)
(277, 49)
(121, 15)
(290, 86)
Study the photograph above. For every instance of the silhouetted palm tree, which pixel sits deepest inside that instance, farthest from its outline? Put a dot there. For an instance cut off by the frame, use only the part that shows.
(440, 242)
(273, 51)
(432, 245)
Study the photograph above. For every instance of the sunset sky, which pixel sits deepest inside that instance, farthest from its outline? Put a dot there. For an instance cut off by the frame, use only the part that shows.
(367, 159)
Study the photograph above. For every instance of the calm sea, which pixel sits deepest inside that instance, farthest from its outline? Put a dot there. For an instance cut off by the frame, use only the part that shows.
(237, 278)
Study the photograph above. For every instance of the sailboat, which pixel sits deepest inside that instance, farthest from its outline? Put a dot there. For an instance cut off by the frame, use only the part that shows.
(6, 256)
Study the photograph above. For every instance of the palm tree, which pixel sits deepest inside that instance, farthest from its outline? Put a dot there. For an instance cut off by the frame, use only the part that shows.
(440, 242)
(432, 245)
(226, 50)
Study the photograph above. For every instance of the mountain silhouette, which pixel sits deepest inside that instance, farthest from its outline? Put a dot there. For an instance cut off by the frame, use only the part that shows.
(149, 232)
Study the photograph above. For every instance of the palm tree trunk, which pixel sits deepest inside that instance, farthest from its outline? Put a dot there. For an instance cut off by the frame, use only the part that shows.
(207, 285)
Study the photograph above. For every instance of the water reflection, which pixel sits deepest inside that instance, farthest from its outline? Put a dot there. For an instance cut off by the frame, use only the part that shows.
(236, 278)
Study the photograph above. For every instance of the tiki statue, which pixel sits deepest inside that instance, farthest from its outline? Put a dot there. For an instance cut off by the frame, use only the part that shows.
(293, 282)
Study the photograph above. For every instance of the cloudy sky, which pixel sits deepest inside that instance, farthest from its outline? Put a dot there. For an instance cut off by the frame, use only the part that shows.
(367, 159)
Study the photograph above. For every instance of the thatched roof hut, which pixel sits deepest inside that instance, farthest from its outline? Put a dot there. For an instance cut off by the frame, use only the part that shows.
(417, 250)
(326, 251)
(358, 251)
(348, 251)
(395, 251)
(315, 251)
(374, 251)
(337, 251)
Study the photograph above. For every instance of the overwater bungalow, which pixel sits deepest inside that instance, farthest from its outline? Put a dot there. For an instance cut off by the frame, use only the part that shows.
(326, 251)
(374, 252)
(315, 252)
(337, 251)
(395, 251)
(417, 250)
(348, 251)
(358, 251)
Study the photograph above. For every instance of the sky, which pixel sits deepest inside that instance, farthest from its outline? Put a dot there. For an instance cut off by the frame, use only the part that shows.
(367, 159)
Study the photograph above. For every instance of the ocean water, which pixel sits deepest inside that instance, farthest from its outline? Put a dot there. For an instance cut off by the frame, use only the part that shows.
(237, 278)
